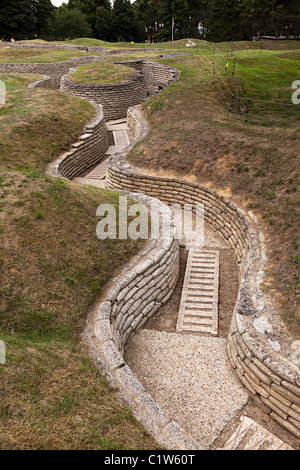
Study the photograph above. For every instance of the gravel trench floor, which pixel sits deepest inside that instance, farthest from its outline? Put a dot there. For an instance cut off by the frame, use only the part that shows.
(190, 375)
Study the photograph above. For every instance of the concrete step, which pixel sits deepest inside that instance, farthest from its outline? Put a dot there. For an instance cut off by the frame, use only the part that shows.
(198, 310)
(117, 127)
(90, 181)
(121, 138)
(116, 122)
(114, 149)
(99, 172)
(249, 435)
(119, 131)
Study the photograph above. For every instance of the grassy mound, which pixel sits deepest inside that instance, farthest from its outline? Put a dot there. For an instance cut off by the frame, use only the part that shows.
(53, 269)
(103, 72)
(37, 125)
(49, 226)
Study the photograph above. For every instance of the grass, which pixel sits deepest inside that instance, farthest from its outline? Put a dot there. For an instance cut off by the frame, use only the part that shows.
(11, 55)
(53, 269)
(103, 72)
(181, 44)
(104, 44)
(37, 125)
(38, 214)
(264, 81)
(250, 153)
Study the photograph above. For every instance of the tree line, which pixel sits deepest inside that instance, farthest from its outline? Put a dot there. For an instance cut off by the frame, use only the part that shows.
(150, 20)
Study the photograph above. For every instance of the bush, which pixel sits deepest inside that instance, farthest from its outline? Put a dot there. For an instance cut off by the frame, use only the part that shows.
(70, 24)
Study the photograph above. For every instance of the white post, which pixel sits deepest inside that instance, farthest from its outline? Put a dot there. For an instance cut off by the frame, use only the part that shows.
(172, 29)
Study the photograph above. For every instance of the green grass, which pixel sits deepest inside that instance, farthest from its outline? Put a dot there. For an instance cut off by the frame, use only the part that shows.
(259, 80)
(103, 72)
(54, 267)
(37, 56)
(104, 44)
(53, 270)
(39, 215)
(266, 80)
(38, 125)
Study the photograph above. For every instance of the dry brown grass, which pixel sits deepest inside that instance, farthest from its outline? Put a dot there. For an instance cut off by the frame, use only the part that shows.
(53, 269)
(256, 163)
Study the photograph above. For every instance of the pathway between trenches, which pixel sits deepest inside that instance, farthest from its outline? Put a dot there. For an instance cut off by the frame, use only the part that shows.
(119, 138)
(185, 367)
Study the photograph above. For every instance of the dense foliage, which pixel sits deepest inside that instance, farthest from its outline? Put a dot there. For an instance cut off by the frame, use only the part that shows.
(154, 20)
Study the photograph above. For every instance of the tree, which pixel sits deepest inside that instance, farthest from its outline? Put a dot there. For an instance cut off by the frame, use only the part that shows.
(224, 21)
(283, 16)
(147, 14)
(271, 17)
(43, 10)
(21, 19)
(88, 8)
(104, 23)
(70, 24)
(179, 11)
(124, 21)
(198, 10)
(97, 13)
(253, 13)
(17, 19)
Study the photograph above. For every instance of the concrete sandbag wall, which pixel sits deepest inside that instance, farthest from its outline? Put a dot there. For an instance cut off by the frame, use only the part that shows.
(54, 70)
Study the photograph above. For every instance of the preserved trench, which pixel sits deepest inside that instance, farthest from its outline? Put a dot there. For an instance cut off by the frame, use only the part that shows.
(189, 387)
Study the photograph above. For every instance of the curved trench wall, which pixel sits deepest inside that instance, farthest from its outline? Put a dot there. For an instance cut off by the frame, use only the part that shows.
(91, 147)
(256, 340)
(117, 98)
(146, 284)
(53, 70)
(87, 152)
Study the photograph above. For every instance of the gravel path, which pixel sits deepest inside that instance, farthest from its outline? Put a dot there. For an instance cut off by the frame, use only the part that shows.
(190, 377)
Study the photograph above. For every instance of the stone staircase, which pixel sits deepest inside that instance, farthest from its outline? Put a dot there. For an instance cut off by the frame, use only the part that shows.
(251, 436)
(198, 312)
(198, 315)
